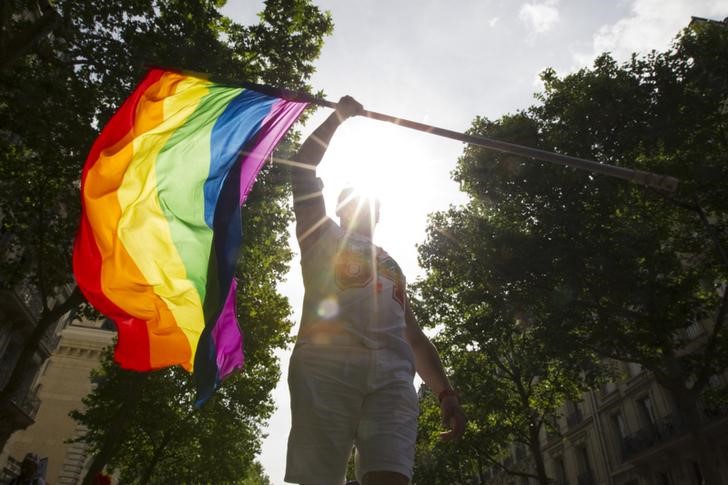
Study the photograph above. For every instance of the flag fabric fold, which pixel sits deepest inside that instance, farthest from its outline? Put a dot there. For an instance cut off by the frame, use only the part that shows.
(160, 227)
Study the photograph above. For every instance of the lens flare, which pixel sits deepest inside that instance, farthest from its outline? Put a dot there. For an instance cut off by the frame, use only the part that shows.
(328, 308)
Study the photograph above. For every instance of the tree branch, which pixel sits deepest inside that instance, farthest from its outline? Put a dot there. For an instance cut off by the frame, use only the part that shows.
(23, 41)
(705, 371)
(509, 471)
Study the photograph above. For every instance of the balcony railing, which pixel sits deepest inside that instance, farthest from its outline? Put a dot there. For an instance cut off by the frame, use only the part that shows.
(30, 297)
(29, 404)
(28, 302)
(11, 469)
(651, 435)
(22, 409)
(694, 331)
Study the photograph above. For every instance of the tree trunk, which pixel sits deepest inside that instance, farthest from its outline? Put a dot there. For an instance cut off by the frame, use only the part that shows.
(166, 439)
(116, 430)
(687, 404)
(535, 446)
(481, 478)
(149, 470)
(100, 460)
(28, 351)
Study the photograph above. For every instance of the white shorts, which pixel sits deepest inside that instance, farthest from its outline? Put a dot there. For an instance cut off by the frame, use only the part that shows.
(350, 395)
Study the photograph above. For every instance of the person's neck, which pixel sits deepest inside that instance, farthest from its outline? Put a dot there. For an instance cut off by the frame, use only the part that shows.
(361, 231)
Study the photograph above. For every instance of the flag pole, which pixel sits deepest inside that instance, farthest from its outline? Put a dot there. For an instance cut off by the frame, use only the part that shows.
(653, 180)
(648, 179)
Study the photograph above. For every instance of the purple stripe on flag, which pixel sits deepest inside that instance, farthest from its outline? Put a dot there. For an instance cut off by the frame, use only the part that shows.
(282, 115)
(227, 337)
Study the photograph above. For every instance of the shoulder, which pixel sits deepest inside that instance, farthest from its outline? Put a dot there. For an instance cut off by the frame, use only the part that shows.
(325, 235)
(388, 261)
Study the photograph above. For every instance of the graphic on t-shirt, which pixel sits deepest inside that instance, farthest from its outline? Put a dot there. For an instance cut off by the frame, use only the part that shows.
(353, 266)
(353, 269)
(388, 268)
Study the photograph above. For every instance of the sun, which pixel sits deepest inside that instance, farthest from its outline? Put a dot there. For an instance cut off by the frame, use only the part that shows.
(368, 157)
(407, 171)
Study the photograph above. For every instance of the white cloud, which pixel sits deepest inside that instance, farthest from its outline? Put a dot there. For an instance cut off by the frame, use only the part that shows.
(493, 21)
(539, 17)
(651, 24)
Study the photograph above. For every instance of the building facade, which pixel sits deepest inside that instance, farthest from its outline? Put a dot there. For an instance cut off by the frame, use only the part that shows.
(63, 382)
(19, 313)
(627, 433)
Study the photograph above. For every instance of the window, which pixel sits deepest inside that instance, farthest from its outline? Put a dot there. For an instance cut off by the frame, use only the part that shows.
(618, 424)
(634, 369)
(646, 410)
(560, 470)
(575, 413)
(608, 388)
(582, 455)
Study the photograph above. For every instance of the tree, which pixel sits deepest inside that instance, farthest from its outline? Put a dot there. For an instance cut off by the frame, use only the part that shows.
(256, 476)
(438, 462)
(16, 40)
(162, 438)
(617, 268)
(484, 287)
(74, 78)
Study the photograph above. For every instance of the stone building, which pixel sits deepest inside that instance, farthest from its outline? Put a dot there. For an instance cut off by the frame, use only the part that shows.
(627, 433)
(19, 313)
(60, 386)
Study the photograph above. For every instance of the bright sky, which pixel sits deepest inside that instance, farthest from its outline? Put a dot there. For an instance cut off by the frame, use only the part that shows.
(443, 63)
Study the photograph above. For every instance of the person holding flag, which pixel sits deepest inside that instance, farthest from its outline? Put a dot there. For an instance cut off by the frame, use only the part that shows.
(351, 371)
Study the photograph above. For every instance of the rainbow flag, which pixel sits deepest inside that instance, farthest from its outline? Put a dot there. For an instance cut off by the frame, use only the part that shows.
(160, 228)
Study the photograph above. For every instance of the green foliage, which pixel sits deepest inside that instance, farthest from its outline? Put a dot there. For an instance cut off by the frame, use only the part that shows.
(163, 438)
(44, 134)
(547, 268)
(75, 78)
(57, 91)
(256, 476)
(485, 287)
(456, 463)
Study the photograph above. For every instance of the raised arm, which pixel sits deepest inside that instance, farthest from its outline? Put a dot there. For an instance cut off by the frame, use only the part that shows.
(308, 203)
(429, 367)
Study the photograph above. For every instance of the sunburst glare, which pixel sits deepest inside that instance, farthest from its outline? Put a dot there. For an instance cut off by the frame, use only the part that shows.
(404, 171)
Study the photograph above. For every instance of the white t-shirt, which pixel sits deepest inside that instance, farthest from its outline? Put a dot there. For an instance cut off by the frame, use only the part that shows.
(354, 292)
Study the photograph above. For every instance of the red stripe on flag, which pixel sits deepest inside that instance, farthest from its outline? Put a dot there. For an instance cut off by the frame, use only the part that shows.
(86, 253)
